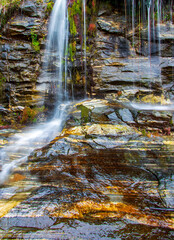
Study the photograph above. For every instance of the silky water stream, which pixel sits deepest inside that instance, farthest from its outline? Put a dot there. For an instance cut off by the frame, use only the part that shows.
(89, 181)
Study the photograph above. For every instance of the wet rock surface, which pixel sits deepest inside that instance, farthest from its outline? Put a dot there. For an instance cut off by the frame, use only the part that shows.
(20, 60)
(121, 63)
(100, 177)
(109, 173)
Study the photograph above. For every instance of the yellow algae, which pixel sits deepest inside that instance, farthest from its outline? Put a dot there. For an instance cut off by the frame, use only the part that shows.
(99, 129)
(116, 64)
(3, 142)
(108, 209)
(94, 129)
(166, 142)
(155, 99)
(7, 205)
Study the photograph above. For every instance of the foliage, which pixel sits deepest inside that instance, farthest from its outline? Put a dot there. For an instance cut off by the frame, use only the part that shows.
(75, 13)
(8, 2)
(39, 1)
(30, 115)
(92, 29)
(49, 7)
(35, 42)
(72, 50)
(2, 81)
(7, 9)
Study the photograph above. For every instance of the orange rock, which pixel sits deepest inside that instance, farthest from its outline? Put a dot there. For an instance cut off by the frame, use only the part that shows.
(17, 177)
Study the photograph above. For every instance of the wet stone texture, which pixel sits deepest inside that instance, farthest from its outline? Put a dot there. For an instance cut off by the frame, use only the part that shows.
(101, 178)
(122, 67)
(20, 59)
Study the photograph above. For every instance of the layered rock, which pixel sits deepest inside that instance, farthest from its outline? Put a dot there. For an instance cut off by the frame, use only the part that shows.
(98, 171)
(122, 65)
(117, 64)
(20, 47)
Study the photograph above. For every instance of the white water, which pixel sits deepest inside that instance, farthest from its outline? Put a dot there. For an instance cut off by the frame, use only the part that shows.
(158, 24)
(151, 107)
(133, 23)
(55, 54)
(23, 144)
(149, 28)
(84, 42)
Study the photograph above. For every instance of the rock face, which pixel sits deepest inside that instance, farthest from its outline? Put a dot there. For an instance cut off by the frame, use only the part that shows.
(109, 173)
(121, 65)
(101, 170)
(117, 64)
(20, 60)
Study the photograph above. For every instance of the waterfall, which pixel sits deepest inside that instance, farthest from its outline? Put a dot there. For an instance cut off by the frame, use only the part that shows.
(55, 68)
(133, 23)
(149, 27)
(84, 42)
(56, 49)
(158, 24)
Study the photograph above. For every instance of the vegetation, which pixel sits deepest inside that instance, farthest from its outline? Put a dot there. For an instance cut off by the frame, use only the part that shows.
(2, 81)
(35, 42)
(30, 115)
(7, 9)
(72, 50)
(85, 114)
(49, 7)
(5, 3)
(75, 14)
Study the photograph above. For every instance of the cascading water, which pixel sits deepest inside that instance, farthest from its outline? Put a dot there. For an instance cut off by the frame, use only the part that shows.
(133, 22)
(56, 73)
(158, 24)
(153, 23)
(149, 28)
(84, 41)
(55, 54)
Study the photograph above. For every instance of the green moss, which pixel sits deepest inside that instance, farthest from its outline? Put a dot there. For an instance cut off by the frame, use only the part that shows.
(85, 114)
(39, 1)
(2, 81)
(8, 8)
(72, 50)
(74, 10)
(34, 41)
(6, 3)
(49, 7)
(73, 29)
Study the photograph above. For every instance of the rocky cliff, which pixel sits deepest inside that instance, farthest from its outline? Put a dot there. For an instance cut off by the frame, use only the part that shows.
(122, 66)
(119, 66)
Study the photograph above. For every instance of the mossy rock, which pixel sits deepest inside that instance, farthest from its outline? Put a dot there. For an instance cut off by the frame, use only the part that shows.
(85, 113)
